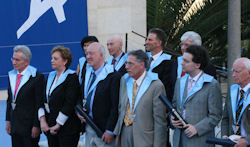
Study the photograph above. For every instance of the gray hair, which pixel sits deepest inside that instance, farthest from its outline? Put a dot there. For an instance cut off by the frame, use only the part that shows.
(244, 61)
(140, 55)
(102, 50)
(192, 36)
(25, 50)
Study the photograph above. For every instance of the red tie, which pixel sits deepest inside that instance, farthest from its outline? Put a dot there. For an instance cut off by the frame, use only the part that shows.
(182, 74)
(17, 83)
(113, 61)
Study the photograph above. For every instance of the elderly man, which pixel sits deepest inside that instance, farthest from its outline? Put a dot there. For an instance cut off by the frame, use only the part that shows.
(197, 97)
(236, 114)
(187, 39)
(100, 90)
(142, 121)
(25, 96)
(118, 57)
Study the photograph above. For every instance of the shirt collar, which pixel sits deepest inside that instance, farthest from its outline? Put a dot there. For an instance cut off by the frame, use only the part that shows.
(156, 56)
(23, 72)
(140, 79)
(118, 57)
(196, 77)
(98, 71)
(246, 87)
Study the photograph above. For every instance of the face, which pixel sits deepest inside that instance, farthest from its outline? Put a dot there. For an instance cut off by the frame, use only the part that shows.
(134, 68)
(18, 61)
(57, 62)
(188, 66)
(240, 74)
(114, 47)
(152, 42)
(85, 46)
(94, 56)
(184, 45)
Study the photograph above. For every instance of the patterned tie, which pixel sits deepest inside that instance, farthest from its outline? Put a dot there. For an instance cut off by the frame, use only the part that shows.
(127, 120)
(239, 106)
(113, 62)
(149, 62)
(17, 83)
(87, 105)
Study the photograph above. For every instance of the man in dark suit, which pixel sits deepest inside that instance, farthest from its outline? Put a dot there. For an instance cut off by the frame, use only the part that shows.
(236, 112)
(25, 94)
(118, 57)
(187, 39)
(160, 62)
(100, 93)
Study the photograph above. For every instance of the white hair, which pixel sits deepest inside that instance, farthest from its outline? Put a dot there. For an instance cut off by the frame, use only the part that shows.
(192, 36)
(245, 61)
(25, 50)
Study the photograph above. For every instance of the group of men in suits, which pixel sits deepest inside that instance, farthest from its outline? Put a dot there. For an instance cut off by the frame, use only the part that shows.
(121, 95)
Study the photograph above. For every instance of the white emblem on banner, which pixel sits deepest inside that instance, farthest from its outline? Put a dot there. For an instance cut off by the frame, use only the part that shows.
(38, 8)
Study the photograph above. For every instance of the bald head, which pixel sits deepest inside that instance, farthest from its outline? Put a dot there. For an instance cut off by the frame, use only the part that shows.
(114, 45)
(241, 71)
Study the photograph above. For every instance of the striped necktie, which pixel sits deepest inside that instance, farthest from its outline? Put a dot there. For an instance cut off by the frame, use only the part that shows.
(238, 110)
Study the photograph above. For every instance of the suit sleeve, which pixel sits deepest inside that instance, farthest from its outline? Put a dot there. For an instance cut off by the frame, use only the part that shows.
(40, 95)
(8, 108)
(71, 92)
(214, 110)
(160, 121)
(225, 119)
(114, 91)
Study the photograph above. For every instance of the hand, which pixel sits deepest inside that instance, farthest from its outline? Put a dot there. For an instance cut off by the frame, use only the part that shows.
(190, 131)
(81, 118)
(44, 125)
(8, 127)
(241, 142)
(176, 123)
(54, 130)
(107, 138)
(35, 132)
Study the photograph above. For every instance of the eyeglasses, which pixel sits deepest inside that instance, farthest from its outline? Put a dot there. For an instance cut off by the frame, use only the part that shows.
(187, 45)
(15, 59)
(129, 63)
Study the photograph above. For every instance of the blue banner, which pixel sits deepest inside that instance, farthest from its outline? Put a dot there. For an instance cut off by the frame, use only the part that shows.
(41, 25)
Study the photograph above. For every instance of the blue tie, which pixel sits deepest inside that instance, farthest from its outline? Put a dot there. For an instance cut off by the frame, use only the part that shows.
(87, 105)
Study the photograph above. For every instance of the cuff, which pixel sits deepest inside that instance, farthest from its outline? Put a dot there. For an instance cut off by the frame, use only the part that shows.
(110, 132)
(41, 113)
(61, 118)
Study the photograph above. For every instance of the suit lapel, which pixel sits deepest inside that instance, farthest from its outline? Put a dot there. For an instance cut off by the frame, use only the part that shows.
(81, 64)
(31, 71)
(159, 60)
(122, 61)
(198, 86)
(107, 69)
(142, 89)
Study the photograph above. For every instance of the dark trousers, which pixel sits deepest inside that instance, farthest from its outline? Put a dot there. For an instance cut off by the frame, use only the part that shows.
(63, 140)
(24, 141)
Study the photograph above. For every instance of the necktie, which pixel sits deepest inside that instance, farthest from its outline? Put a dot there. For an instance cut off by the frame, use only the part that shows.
(113, 61)
(182, 74)
(87, 105)
(127, 120)
(239, 108)
(17, 83)
(149, 62)
(191, 84)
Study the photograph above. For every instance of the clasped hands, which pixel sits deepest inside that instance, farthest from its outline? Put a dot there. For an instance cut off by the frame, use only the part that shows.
(45, 127)
(190, 130)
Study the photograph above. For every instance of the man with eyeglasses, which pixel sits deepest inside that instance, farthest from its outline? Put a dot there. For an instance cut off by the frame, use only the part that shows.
(187, 39)
(236, 114)
(142, 121)
(25, 96)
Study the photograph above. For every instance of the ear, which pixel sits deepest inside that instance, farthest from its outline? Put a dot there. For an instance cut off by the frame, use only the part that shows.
(197, 65)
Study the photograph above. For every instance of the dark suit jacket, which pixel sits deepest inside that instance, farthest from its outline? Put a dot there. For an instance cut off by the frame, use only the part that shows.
(165, 75)
(63, 99)
(28, 100)
(106, 99)
(122, 70)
